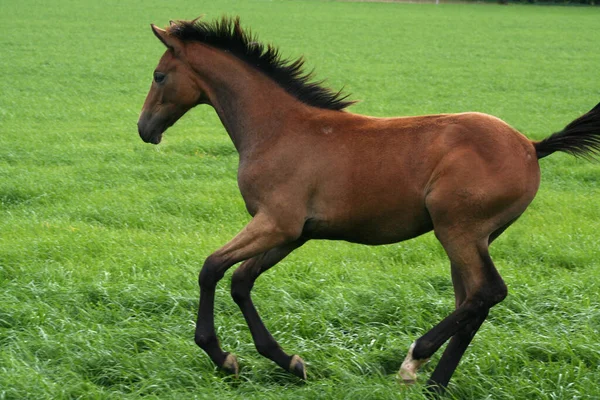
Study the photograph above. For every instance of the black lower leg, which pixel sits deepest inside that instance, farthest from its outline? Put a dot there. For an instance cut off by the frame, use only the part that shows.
(430, 342)
(266, 345)
(454, 351)
(205, 336)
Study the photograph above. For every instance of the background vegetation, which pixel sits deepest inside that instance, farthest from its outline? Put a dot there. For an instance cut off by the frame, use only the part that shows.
(553, 2)
(545, 2)
(102, 236)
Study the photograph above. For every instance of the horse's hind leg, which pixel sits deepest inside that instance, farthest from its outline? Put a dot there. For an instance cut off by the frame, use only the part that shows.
(478, 287)
(242, 282)
(458, 343)
(461, 340)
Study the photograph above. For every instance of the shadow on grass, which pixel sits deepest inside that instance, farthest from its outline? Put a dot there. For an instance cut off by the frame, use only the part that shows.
(261, 376)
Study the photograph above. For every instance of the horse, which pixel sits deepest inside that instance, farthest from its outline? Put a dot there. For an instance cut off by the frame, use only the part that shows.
(309, 169)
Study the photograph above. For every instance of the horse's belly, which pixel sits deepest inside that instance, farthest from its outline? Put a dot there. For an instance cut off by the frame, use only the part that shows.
(373, 230)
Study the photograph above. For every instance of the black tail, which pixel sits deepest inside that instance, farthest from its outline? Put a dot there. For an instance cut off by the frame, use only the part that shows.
(580, 138)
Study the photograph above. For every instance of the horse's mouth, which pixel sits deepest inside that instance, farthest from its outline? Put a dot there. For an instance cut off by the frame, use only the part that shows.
(154, 139)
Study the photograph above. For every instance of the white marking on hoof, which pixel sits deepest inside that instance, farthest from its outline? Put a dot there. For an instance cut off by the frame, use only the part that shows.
(297, 367)
(231, 365)
(408, 369)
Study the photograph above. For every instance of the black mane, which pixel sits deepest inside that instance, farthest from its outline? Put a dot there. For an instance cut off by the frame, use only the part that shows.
(227, 34)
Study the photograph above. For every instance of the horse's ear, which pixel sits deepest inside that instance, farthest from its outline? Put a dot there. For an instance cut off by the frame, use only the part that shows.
(197, 19)
(164, 37)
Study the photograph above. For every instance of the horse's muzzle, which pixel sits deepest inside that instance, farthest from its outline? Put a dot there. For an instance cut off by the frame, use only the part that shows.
(149, 133)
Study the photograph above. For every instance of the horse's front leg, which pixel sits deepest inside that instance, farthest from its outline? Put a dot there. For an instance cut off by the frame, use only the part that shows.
(259, 236)
(242, 282)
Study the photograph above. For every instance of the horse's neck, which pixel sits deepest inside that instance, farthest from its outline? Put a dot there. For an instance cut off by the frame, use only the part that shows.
(252, 107)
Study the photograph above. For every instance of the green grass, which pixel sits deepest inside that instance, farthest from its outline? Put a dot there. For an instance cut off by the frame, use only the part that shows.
(102, 236)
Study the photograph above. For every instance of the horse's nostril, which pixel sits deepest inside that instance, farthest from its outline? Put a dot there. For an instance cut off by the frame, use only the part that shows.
(143, 128)
(140, 126)
(143, 132)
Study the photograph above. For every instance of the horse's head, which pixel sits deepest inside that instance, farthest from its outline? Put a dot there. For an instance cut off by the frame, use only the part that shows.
(173, 92)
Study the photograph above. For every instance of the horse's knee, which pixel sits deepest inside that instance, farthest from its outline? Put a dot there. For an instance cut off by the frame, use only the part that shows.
(479, 303)
(499, 293)
(240, 286)
(490, 295)
(494, 290)
(211, 272)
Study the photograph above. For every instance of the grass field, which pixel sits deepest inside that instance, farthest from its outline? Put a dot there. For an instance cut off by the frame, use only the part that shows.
(102, 236)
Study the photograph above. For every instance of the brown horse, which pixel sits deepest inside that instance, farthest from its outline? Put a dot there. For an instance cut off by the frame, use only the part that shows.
(310, 170)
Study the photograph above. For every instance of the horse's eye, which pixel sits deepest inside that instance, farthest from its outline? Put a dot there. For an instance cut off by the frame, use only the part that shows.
(159, 77)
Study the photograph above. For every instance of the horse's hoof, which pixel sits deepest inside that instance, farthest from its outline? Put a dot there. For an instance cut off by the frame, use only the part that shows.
(297, 367)
(230, 365)
(407, 377)
(409, 368)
